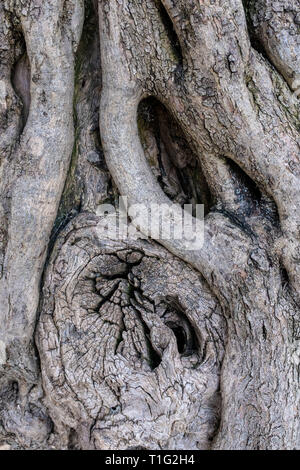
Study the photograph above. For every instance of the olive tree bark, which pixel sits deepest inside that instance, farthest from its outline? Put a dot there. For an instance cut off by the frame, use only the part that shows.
(109, 343)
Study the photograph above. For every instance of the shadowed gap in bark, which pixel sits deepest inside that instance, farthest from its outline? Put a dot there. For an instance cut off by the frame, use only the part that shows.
(255, 43)
(249, 199)
(260, 41)
(178, 322)
(173, 38)
(73, 440)
(20, 78)
(87, 174)
(171, 158)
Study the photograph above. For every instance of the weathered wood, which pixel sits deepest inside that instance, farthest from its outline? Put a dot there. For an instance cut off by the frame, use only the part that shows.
(187, 100)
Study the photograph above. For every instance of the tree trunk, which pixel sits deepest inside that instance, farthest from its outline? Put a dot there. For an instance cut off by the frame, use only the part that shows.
(135, 343)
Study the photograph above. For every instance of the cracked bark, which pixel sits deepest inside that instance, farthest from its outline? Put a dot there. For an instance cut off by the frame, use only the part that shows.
(138, 344)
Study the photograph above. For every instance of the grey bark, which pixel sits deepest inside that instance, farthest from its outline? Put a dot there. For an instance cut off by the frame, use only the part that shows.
(113, 344)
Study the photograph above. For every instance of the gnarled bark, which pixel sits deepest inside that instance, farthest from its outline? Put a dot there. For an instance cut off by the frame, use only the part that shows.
(148, 344)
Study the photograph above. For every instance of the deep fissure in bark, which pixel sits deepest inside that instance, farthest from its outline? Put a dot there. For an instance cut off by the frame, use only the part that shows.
(20, 79)
(170, 157)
